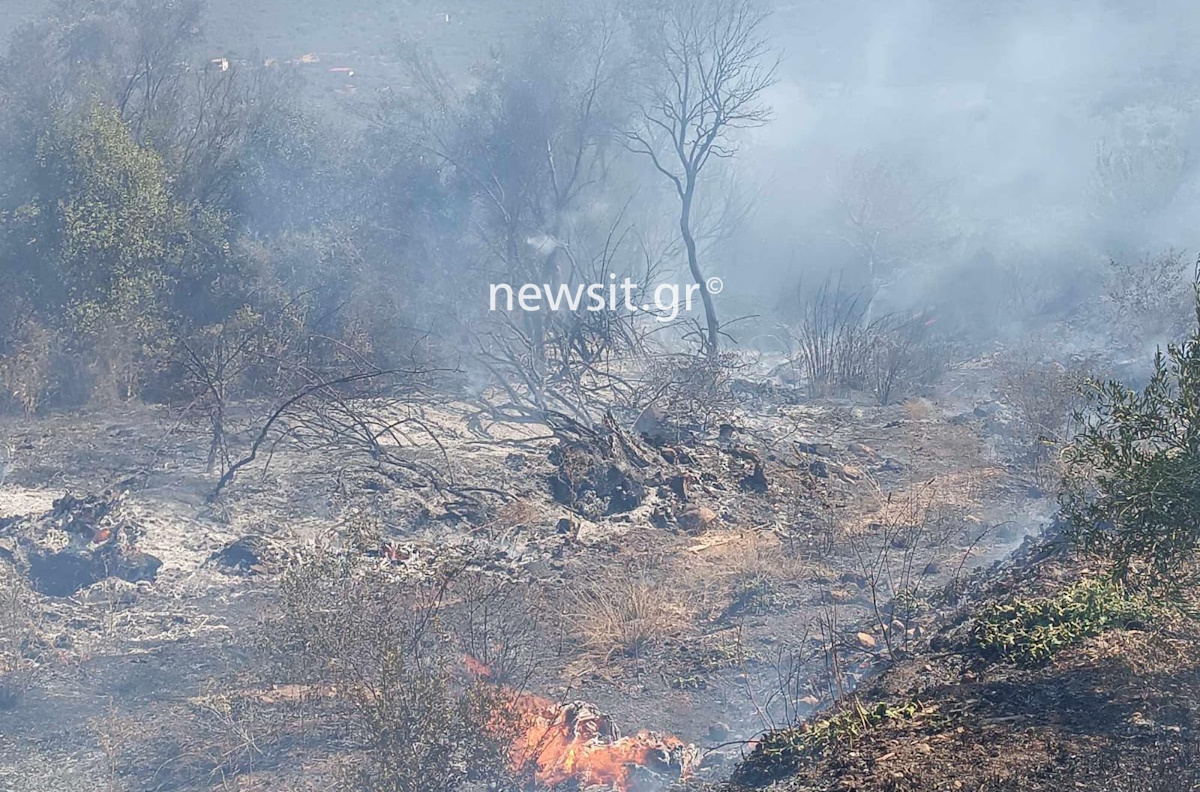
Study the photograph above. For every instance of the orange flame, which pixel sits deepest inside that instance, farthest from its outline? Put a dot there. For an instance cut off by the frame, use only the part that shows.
(575, 741)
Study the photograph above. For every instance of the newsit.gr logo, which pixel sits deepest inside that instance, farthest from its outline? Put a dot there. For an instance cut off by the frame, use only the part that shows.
(665, 301)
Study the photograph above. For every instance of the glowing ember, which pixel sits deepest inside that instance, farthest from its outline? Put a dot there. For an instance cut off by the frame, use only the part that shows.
(476, 669)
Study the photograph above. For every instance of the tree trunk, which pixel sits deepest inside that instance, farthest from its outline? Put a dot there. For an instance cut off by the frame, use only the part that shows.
(713, 336)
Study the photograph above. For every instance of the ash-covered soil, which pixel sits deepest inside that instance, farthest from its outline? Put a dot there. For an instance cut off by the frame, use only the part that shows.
(751, 548)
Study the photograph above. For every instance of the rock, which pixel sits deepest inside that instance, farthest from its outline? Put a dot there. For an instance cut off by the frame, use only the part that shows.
(865, 640)
(718, 732)
(249, 555)
(854, 578)
(755, 481)
(681, 485)
(986, 410)
(896, 629)
(846, 472)
(819, 468)
(861, 449)
(652, 424)
(697, 518)
(842, 596)
(137, 567)
(816, 448)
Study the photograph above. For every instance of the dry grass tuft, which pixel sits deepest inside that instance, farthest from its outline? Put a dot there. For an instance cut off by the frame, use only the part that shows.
(917, 409)
(624, 615)
(18, 633)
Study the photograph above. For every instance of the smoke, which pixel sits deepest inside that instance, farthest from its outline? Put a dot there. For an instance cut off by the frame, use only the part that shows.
(1058, 134)
(923, 150)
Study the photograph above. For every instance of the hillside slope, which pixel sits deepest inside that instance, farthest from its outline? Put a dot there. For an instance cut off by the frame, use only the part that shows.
(1113, 712)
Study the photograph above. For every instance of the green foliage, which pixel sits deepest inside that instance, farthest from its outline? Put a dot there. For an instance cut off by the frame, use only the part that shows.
(1132, 486)
(782, 751)
(1032, 631)
(118, 222)
(394, 648)
(117, 234)
(129, 175)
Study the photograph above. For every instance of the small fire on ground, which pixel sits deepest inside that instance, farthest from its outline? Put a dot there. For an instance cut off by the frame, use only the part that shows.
(574, 742)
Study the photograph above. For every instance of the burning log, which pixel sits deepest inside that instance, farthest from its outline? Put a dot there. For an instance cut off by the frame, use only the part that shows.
(79, 542)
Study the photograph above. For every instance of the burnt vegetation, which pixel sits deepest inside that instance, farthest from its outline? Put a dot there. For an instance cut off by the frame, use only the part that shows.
(297, 491)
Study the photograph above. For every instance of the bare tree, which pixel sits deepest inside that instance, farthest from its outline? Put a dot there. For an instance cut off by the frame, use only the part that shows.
(889, 213)
(706, 68)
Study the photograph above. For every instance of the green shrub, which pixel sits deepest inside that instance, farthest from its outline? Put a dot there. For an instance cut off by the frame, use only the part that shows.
(780, 751)
(1132, 485)
(1032, 631)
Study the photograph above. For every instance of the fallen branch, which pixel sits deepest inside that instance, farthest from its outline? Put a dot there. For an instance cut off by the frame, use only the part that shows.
(282, 409)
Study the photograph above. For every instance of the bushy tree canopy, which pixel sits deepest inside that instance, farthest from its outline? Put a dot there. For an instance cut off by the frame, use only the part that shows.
(1133, 482)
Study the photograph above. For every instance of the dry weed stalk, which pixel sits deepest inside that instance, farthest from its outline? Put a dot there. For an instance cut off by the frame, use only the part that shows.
(18, 636)
(841, 348)
(894, 557)
(623, 615)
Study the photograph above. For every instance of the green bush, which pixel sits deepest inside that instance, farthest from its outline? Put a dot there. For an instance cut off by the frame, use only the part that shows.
(1032, 631)
(394, 648)
(781, 751)
(1132, 485)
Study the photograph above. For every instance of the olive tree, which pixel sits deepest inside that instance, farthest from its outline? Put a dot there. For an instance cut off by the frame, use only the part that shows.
(1132, 487)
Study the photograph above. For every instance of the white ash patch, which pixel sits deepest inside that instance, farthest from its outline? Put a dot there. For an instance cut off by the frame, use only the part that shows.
(20, 502)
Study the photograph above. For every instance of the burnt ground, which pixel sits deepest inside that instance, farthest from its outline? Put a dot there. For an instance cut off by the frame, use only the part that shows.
(860, 502)
(1116, 712)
